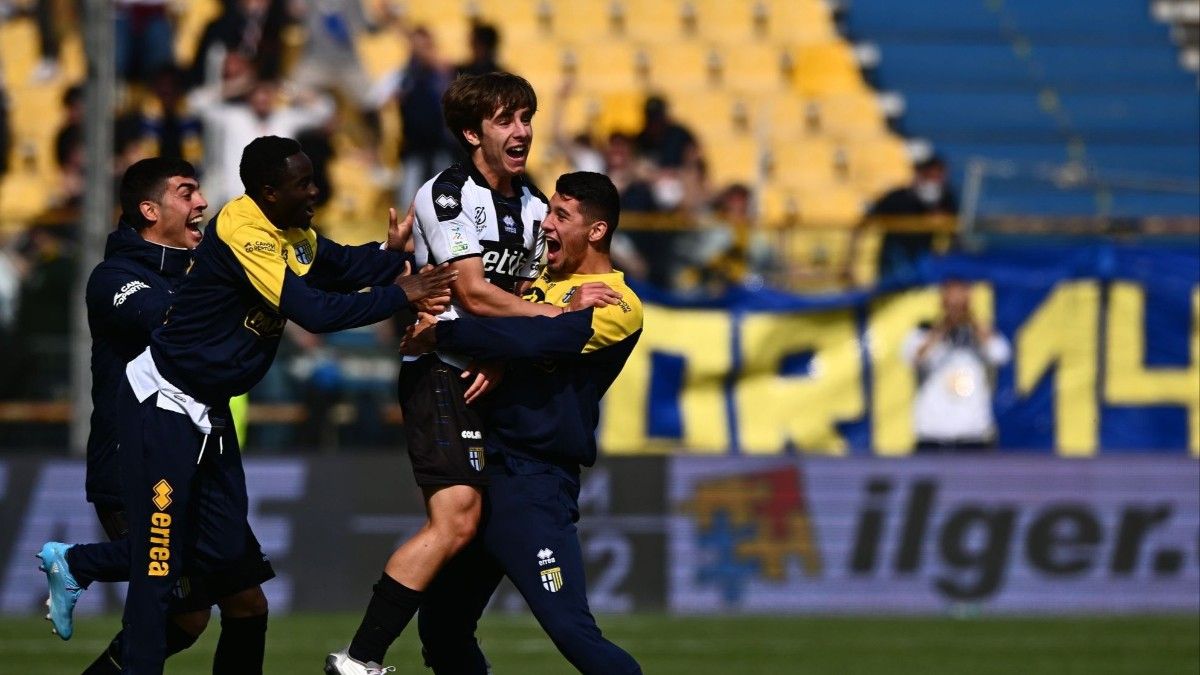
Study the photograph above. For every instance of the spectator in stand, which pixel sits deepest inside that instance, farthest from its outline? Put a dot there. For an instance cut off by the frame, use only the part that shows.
(49, 40)
(143, 40)
(241, 109)
(741, 254)
(485, 44)
(42, 326)
(425, 147)
(928, 195)
(5, 132)
(955, 359)
(629, 175)
(176, 130)
(251, 28)
(669, 144)
(329, 61)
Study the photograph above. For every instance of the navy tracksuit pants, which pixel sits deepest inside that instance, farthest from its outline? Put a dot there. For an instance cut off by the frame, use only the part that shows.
(528, 534)
(185, 508)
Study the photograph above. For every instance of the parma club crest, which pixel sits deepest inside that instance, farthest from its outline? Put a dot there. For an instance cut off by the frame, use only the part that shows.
(475, 456)
(551, 576)
(304, 252)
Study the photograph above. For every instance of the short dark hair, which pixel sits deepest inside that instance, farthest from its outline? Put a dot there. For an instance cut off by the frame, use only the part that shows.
(264, 162)
(471, 99)
(597, 196)
(146, 180)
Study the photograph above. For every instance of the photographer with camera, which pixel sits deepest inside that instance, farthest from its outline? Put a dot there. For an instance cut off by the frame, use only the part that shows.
(955, 358)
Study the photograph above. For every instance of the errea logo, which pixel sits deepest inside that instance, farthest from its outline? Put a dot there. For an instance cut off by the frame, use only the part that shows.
(446, 202)
(472, 435)
(545, 557)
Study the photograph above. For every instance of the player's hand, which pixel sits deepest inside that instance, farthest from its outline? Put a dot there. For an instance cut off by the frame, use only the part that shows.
(593, 294)
(487, 377)
(429, 289)
(399, 238)
(419, 338)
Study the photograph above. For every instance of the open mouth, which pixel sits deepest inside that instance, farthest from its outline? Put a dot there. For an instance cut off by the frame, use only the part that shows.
(195, 224)
(517, 152)
(553, 248)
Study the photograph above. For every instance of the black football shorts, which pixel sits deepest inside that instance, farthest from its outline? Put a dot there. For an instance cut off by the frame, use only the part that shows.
(445, 436)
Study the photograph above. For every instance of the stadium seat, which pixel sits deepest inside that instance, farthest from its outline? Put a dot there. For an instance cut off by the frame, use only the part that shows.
(605, 66)
(796, 22)
(647, 21)
(878, 164)
(752, 68)
(620, 111)
(831, 206)
(805, 162)
(732, 160)
(721, 22)
(851, 115)
(583, 21)
(826, 68)
(679, 66)
(381, 53)
(965, 22)
(786, 116)
(711, 112)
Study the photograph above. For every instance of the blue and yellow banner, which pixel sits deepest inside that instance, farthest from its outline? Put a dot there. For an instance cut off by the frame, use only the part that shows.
(1106, 359)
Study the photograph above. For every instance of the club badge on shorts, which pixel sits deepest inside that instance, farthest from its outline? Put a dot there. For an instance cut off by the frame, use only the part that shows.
(475, 456)
(551, 576)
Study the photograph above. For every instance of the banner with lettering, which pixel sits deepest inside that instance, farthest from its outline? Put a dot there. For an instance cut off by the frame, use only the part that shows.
(1105, 358)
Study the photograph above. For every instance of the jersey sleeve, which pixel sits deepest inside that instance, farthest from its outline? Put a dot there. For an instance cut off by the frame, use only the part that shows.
(612, 324)
(259, 256)
(121, 298)
(446, 230)
(340, 267)
(533, 264)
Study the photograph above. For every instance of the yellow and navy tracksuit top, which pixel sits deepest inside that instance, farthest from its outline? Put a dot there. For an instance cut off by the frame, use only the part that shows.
(247, 279)
(548, 404)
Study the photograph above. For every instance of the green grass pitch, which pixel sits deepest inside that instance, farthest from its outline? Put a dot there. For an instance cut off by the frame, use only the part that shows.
(668, 645)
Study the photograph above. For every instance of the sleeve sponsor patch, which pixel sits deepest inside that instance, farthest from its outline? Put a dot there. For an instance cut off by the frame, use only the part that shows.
(446, 203)
(127, 290)
(260, 247)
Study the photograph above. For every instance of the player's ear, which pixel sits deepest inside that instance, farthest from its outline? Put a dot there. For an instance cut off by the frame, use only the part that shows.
(473, 137)
(597, 231)
(149, 211)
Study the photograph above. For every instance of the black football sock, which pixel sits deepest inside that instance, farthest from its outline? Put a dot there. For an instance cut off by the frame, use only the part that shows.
(392, 606)
(240, 648)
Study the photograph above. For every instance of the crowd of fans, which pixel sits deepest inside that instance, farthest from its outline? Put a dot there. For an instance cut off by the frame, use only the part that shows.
(243, 82)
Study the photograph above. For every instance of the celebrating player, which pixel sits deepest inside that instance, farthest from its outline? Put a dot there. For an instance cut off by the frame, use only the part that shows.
(260, 265)
(483, 219)
(540, 430)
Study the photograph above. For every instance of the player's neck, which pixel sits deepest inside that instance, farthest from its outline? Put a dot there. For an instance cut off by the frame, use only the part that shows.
(594, 262)
(499, 182)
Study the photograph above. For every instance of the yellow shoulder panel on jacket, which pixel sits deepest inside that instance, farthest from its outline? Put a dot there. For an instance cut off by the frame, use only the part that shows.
(256, 245)
(613, 323)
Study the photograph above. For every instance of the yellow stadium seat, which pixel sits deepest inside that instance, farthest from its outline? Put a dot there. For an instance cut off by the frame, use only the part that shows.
(381, 52)
(732, 159)
(803, 162)
(540, 60)
(583, 21)
(752, 68)
(429, 13)
(826, 68)
(785, 116)
(710, 112)
(831, 206)
(605, 66)
(620, 112)
(721, 21)
(879, 164)
(190, 22)
(852, 115)
(796, 21)
(679, 66)
(650, 20)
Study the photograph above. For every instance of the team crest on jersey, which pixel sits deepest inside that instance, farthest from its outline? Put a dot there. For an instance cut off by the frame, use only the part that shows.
(475, 456)
(510, 225)
(304, 252)
(566, 299)
(480, 215)
(552, 579)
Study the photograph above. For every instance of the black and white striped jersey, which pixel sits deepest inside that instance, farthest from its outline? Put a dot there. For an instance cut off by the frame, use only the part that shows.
(458, 216)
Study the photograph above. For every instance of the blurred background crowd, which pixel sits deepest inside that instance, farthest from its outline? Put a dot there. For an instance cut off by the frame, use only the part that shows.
(805, 146)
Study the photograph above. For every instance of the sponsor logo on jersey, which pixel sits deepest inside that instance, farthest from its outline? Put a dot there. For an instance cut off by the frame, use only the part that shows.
(552, 579)
(476, 457)
(472, 435)
(446, 202)
(259, 247)
(160, 531)
(510, 225)
(304, 252)
(545, 557)
(501, 260)
(127, 290)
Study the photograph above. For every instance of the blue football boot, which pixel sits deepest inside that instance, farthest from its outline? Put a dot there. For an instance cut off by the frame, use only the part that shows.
(64, 591)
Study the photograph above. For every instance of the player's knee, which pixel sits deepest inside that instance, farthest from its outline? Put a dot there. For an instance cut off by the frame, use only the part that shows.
(247, 603)
(192, 623)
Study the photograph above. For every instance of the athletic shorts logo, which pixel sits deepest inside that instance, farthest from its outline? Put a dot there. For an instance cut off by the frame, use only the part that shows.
(472, 435)
(304, 252)
(162, 495)
(475, 456)
(446, 202)
(552, 579)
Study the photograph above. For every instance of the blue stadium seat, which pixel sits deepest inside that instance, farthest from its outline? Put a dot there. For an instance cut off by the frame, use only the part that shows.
(978, 116)
(951, 67)
(929, 19)
(1112, 67)
(1098, 21)
(958, 154)
(1144, 117)
(1177, 160)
